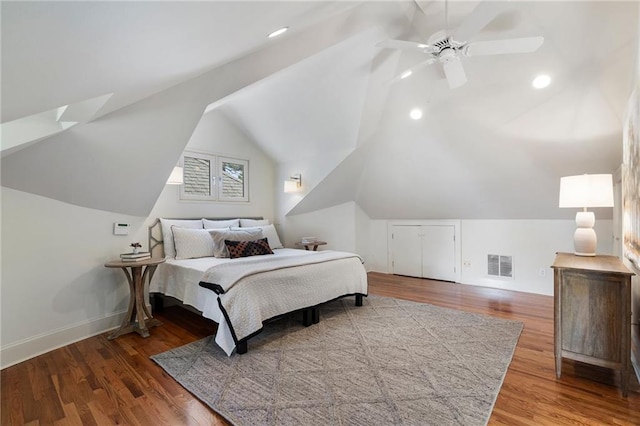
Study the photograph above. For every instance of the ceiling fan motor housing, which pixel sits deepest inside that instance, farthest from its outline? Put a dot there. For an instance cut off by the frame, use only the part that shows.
(443, 48)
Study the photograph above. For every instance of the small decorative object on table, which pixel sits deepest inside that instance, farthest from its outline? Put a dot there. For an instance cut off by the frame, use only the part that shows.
(136, 247)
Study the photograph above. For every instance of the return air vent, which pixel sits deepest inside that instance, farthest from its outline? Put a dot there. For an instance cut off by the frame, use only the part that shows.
(500, 266)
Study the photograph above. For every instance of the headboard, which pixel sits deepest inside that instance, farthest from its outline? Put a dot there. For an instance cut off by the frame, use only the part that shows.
(156, 243)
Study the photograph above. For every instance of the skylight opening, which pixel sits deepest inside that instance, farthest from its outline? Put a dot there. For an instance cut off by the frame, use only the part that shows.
(416, 114)
(541, 81)
(276, 33)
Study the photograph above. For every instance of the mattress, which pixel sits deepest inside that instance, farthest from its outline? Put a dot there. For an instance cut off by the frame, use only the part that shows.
(241, 310)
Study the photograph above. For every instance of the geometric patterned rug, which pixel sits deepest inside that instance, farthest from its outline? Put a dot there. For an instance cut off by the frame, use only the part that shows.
(388, 362)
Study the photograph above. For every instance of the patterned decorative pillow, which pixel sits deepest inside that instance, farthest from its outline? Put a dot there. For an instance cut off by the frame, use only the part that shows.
(248, 248)
(239, 234)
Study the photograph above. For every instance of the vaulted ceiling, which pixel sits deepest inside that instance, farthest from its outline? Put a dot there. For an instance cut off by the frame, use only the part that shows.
(492, 148)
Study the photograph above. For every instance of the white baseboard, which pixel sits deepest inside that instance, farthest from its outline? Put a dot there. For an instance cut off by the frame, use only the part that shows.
(23, 350)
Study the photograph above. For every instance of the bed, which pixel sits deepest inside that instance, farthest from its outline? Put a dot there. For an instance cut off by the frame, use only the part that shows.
(241, 294)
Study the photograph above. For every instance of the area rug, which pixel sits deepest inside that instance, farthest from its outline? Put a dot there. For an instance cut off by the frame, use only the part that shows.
(389, 362)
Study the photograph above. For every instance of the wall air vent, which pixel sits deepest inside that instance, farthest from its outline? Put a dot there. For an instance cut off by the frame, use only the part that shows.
(500, 266)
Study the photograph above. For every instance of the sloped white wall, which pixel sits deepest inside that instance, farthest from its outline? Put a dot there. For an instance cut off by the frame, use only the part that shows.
(55, 288)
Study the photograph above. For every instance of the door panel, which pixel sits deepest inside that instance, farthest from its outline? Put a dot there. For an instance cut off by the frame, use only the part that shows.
(438, 252)
(406, 249)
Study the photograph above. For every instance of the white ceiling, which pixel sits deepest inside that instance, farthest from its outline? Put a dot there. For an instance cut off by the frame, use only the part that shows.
(55, 53)
(493, 148)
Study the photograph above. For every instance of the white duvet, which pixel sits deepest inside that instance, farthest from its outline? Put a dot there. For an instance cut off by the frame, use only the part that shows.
(260, 288)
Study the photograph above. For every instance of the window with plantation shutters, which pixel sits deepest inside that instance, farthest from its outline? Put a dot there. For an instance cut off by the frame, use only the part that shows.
(233, 174)
(214, 178)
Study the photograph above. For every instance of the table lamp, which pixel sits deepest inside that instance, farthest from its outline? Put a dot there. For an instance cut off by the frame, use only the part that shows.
(584, 191)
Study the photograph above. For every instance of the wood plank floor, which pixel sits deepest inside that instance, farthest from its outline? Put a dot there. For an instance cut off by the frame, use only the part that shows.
(102, 382)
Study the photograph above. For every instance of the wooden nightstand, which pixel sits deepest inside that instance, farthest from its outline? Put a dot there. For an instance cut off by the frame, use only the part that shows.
(592, 298)
(135, 318)
(314, 244)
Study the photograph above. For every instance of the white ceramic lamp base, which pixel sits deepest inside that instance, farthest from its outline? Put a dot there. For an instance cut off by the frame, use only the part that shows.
(585, 239)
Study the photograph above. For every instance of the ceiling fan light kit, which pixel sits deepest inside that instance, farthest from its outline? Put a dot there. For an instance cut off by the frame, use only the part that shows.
(449, 49)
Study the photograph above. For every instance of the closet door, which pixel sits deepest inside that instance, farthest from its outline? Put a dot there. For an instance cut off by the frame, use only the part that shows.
(406, 249)
(438, 252)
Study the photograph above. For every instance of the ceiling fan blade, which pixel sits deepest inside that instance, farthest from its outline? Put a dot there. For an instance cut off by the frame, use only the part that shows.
(478, 19)
(454, 72)
(499, 47)
(406, 73)
(401, 44)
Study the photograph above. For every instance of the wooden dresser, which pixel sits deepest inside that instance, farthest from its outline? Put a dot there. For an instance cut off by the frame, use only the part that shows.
(592, 301)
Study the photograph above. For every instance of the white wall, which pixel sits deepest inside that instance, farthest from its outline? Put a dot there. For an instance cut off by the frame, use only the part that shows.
(635, 280)
(215, 134)
(55, 288)
(335, 225)
(532, 243)
(362, 232)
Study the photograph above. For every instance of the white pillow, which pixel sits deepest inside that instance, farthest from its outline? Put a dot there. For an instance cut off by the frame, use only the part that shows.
(270, 232)
(192, 243)
(217, 224)
(245, 223)
(217, 236)
(167, 233)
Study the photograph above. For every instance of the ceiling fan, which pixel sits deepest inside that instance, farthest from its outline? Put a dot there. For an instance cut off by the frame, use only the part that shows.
(448, 47)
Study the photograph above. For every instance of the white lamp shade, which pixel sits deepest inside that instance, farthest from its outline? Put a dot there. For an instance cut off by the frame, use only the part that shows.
(586, 191)
(290, 186)
(293, 184)
(176, 177)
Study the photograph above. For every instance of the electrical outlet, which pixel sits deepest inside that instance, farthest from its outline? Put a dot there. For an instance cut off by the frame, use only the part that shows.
(466, 263)
(543, 272)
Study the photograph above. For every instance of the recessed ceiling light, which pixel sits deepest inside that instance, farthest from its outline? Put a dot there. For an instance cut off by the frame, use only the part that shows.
(541, 81)
(406, 74)
(276, 33)
(416, 113)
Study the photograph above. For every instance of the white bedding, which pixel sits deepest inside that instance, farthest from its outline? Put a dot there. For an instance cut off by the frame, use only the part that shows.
(263, 295)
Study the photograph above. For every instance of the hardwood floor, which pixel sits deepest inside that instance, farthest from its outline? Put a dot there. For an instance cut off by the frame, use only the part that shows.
(102, 382)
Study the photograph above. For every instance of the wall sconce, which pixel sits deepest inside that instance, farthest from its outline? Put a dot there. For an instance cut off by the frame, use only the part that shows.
(584, 191)
(293, 184)
(176, 177)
